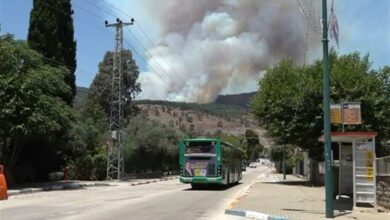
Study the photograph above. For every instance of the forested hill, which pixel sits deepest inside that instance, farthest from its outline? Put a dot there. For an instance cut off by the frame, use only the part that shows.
(234, 102)
(220, 110)
(202, 119)
(79, 99)
(242, 99)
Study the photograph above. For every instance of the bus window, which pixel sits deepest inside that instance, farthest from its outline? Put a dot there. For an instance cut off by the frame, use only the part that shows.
(200, 147)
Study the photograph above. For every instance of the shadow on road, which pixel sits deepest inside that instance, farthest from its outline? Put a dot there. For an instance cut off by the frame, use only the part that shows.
(292, 183)
(212, 187)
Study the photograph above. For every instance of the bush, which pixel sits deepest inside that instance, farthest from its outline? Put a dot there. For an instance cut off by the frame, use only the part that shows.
(81, 168)
(100, 166)
(277, 157)
(151, 147)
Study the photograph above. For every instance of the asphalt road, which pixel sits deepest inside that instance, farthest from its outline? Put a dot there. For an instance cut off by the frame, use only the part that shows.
(160, 200)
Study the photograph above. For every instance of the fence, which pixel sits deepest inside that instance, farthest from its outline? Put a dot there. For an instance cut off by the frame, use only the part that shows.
(383, 182)
(383, 166)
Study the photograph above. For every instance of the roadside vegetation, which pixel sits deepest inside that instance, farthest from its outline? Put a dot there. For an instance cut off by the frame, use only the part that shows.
(45, 127)
(288, 103)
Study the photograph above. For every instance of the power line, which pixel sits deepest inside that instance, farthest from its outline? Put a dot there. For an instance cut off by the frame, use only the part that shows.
(128, 44)
(65, 13)
(89, 12)
(148, 39)
(308, 16)
(103, 30)
(96, 6)
(154, 59)
(113, 6)
(158, 51)
(140, 42)
(56, 63)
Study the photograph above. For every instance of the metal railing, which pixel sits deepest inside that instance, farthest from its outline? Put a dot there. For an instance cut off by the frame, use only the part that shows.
(383, 166)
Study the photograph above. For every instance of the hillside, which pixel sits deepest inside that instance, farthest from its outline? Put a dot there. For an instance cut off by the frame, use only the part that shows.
(241, 100)
(202, 120)
(230, 115)
(79, 99)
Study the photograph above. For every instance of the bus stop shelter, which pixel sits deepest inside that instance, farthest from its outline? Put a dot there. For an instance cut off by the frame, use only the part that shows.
(357, 168)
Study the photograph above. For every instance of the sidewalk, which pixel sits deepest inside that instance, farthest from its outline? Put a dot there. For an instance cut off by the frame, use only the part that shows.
(273, 198)
(77, 184)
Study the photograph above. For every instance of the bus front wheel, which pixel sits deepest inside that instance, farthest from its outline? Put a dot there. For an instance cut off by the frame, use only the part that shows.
(195, 186)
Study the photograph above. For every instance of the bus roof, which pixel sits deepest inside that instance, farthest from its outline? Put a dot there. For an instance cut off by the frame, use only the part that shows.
(202, 139)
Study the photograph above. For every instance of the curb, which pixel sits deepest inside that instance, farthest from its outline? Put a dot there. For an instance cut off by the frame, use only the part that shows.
(71, 186)
(253, 215)
(75, 186)
(154, 181)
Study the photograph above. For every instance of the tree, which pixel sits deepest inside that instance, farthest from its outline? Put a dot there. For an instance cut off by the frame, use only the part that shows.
(382, 110)
(276, 156)
(289, 101)
(34, 120)
(51, 34)
(150, 146)
(87, 145)
(86, 157)
(100, 90)
(254, 148)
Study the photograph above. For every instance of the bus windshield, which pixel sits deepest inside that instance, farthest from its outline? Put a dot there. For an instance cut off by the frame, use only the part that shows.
(200, 147)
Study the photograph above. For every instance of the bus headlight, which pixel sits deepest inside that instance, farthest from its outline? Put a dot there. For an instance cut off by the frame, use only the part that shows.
(219, 170)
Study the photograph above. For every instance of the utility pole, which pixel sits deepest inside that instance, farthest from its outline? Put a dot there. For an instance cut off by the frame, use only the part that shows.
(284, 161)
(115, 161)
(326, 106)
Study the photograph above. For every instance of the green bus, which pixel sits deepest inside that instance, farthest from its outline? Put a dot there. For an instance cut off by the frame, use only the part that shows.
(209, 161)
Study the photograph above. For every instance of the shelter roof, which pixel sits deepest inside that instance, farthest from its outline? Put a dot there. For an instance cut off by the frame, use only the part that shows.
(350, 136)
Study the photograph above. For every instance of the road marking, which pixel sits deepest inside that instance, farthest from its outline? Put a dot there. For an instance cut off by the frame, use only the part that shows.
(245, 191)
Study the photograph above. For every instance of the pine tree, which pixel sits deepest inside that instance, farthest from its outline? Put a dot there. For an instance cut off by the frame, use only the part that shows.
(100, 89)
(51, 34)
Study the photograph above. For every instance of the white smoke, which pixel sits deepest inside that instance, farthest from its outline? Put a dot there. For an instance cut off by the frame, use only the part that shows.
(214, 46)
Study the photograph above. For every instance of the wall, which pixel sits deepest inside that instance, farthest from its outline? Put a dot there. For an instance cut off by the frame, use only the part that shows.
(383, 191)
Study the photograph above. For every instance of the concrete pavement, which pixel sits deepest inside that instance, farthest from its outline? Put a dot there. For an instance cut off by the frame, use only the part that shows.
(271, 198)
(76, 184)
(157, 200)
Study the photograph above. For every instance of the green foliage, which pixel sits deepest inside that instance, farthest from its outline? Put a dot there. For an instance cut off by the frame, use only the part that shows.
(289, 101)
(31, 111)
(51, 34)
(100, 89)
(80, 98)
(150, 146)
(87, 143)
(220, 110)
(88, 136)
(234, 140)
(277, 156)
(237, 141)
(88, 167)
(381, 110)
(253, 147)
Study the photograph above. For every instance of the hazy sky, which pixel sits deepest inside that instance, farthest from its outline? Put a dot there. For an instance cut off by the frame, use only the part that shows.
(183, 30)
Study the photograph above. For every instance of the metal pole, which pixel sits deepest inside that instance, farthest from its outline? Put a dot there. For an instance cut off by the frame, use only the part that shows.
(115, 159)
(326, 106)
(284, 162)
(342, 116)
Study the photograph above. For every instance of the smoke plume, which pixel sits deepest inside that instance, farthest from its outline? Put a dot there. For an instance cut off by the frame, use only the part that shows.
(219, 45)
